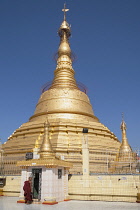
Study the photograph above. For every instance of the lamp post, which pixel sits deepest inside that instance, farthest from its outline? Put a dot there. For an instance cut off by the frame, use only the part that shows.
(85, 152)
(1, 159)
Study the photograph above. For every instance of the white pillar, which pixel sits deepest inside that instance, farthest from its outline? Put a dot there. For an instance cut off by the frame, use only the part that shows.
(66, 196)
(85, 154)
(23, 179)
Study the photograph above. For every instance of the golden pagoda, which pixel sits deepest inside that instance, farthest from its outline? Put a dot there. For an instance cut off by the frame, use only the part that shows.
(68, 110)
(126, 158)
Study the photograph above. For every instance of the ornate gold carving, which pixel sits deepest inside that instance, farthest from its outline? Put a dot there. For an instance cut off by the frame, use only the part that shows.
(45, 162)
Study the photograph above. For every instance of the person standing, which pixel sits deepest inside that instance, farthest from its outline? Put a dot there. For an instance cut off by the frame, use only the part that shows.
(27, 191)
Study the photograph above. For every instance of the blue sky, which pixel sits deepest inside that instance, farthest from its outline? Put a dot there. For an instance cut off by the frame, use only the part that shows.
(106, 41)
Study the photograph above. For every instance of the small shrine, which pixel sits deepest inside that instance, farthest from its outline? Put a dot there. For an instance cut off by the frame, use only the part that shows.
(49, 174)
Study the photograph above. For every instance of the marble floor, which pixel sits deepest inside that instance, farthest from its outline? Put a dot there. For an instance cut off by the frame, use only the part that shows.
(9, 203)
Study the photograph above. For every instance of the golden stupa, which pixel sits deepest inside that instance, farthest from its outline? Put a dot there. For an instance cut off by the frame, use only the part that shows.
(67, 110)
(126, 159)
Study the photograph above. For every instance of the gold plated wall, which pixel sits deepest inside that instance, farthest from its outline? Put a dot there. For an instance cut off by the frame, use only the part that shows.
(66, 139)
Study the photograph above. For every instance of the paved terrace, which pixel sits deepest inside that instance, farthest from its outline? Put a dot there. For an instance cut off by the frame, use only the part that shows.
(10, 203)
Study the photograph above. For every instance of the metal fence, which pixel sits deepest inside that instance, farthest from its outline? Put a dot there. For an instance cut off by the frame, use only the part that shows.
(106, 162)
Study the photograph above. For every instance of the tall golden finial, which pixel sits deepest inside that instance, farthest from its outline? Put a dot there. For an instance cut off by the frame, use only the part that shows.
(65, 10)
(123, 124)
(64, 73)
(125, 147)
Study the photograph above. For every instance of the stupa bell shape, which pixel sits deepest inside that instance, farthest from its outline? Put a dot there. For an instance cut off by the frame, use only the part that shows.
(64, 99)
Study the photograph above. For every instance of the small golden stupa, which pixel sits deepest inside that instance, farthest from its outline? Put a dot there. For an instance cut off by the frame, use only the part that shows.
(68, 111)
(126, 158)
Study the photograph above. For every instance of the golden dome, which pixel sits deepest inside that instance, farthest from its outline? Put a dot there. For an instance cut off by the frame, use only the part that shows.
(64, 99)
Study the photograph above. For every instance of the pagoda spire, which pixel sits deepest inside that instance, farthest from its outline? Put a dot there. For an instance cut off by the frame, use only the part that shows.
(46, 150)
(65, 10)
(125, 147)
(64, 73)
